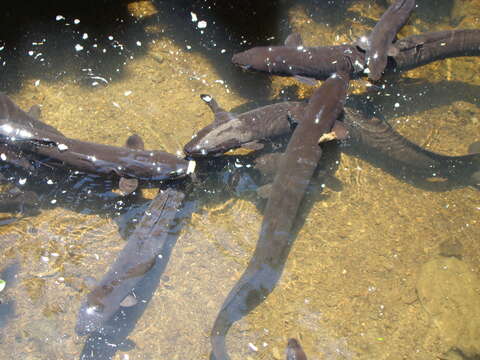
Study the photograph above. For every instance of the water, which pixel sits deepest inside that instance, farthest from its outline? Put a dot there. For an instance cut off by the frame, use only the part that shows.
(348, 290)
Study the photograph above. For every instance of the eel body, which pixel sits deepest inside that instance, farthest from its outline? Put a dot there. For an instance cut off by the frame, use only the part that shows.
(293, 176)
(132, 263)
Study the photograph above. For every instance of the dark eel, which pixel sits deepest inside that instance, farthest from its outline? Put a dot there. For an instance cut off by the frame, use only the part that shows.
(376, 136)
(28, 121)
(418, 50)
(295, 351)
(294, 59)
(378, 45)
(379, 139)
(320, 62)
(295, 171)
(20, 131)
(230, 131)
(132, 263)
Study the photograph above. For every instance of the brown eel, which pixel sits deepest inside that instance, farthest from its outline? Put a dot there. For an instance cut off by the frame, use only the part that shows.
(378, 45)
(229, 131)
(319, 62)
(291, 181)
(22, 133)
(132, 263)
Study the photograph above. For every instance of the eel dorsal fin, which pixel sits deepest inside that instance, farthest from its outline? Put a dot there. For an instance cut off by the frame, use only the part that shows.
(221, 115)
(474, 148)
(135, 142)
(294, 40)
(212, 104)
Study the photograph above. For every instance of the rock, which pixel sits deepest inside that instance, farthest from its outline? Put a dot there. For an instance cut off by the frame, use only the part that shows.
(450, 293)
(451, 248)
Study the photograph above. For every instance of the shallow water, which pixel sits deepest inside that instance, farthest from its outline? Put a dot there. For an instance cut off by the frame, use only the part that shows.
(348, 290)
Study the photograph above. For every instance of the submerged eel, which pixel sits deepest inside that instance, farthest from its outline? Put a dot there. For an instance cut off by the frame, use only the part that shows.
(295, 59)
(20, 132)
(322, 61)
(295, 171)
(371, 133)
(230, 131)
(381, 140)
(418, 50)
(378, 45)
(132, 263)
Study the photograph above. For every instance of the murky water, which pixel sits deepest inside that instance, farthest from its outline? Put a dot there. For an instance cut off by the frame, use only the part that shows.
(349, 288)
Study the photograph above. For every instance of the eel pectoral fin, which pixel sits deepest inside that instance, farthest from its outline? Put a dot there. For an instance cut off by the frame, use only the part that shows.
(253, 145)
(306, 80)
(35, 112)
(474, 148)
(129, 301)
(294, 40)
(128, 186)
(221, 115)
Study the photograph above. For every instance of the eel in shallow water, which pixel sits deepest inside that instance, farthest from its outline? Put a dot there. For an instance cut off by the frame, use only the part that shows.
(22, 132)
(230, 131)
(374, 135)
(295, 171)
(380, 140)
(418, 50)
(378, 45)
(295, 59)
(132, 263)
(321, 61)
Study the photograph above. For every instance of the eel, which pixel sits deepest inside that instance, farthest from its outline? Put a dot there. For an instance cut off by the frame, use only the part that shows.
(320, 62)
(132, 263)
(378, 45)
(18, 130)
(30, 121)
(295, 59)
(9, 111)
(230, 131)
(418, 50)
(380, 140)
(297, 166)
(370, 133)
(295, 351)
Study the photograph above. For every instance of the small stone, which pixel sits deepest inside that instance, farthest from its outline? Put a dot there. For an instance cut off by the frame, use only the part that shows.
(451, 248)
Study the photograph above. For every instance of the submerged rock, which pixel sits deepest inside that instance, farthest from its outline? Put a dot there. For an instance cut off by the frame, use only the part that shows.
(450, 293)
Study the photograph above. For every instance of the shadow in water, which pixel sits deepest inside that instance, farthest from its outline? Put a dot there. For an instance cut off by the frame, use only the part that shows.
(93, 40)
(103, 346)
(46, 40)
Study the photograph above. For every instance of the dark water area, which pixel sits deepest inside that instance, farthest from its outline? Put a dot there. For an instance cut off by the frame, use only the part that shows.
(384, 265)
